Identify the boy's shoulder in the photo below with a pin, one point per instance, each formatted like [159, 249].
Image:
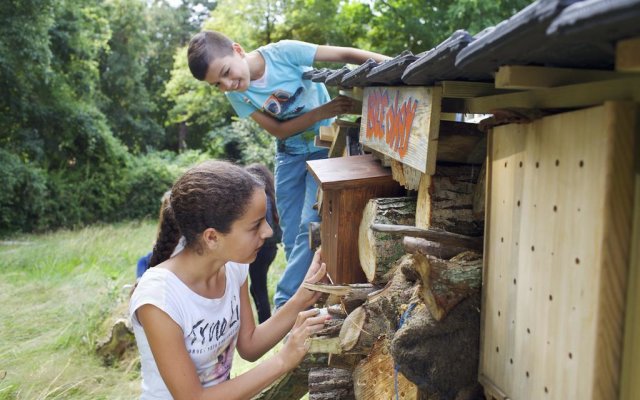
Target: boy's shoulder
[285, 48]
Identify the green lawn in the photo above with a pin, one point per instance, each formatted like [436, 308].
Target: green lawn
[56, 292]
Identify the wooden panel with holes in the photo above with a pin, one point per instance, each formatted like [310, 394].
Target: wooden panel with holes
[557, 240]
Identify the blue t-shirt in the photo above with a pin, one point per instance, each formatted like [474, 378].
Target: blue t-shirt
[283, 94]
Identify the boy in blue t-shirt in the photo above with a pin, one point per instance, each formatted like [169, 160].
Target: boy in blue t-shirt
[266, 84]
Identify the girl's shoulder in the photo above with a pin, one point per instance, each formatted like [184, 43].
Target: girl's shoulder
[237, 272]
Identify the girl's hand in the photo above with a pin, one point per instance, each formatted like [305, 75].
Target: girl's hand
[317, 272]
[297, 343]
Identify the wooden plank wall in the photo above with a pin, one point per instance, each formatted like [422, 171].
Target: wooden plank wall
[559, 206]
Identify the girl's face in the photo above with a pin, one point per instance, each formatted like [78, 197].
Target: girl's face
[248, 232]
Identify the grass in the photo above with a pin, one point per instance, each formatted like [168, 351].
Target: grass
[57, 291]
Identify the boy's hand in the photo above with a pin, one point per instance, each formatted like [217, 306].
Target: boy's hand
[340, 105]
[297, 345]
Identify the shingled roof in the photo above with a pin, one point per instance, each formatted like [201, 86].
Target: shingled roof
[556, 33]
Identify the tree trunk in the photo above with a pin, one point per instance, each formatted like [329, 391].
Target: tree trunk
[330, 384]
[443, 251]
[379, 315]
[441, 357]
[379, 250]
[445, 283]
[451, 199]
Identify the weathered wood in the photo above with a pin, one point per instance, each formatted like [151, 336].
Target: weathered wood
[406, 176]
[445, 283]
[294, 384]
[446, 238]
[446, 200]
[378, 316]
[534, 77]
[460, 142]
[479, 194]
[415, 245]
[440, 357]
[339, 143]
[328, 132]
[330, 384]
[314, 235]
[375, 377]
[403, 122]
[628, 55]
[379, 250]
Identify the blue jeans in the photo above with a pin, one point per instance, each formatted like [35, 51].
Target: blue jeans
[295, 195]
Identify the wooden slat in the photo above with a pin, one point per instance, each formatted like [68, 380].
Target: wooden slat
[630, 386]
[557, 244]
[402, 122]
[466, 90]
[628, 55]
[533, 77]
[572, 96]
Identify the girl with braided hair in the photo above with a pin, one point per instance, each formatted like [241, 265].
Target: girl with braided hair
[190, 312]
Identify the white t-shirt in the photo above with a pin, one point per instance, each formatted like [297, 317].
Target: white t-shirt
[210, 326]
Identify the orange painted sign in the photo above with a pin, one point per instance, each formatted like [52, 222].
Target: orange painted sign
[402, 122]
[390, 120]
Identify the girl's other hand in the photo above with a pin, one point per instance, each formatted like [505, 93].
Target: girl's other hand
[297, 344]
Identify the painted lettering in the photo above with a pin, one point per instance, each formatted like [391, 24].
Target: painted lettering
[390, 121]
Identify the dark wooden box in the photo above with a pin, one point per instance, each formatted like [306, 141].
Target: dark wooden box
[347, 184]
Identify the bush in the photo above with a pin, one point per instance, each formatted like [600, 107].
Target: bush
[23, 194]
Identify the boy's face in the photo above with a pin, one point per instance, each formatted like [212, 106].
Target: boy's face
[230, 73]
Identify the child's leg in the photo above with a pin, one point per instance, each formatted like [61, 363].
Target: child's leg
[258, 273]
[301, 255]
[289, 183]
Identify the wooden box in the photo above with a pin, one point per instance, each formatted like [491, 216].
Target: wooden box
[347, 184]
[557, 241]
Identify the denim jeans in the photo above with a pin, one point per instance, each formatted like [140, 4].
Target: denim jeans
[295, 195]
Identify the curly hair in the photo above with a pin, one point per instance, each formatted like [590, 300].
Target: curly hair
[213, 194]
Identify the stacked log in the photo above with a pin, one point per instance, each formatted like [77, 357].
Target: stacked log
[418, 333]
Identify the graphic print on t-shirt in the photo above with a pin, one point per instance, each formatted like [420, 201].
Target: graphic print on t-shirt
[281, 104]
[221, 368]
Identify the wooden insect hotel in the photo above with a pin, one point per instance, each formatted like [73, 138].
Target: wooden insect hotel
[482, 224]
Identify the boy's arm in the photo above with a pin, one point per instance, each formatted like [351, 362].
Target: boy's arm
[284, 129]
[347, 55]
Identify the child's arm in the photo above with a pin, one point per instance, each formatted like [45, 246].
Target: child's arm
[347, 55]
[284, 129]
[179, 373]
[254, 341]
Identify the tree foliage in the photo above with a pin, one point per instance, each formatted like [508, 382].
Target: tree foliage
[97, 98]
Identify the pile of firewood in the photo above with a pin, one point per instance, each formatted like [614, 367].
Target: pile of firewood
[412, 331]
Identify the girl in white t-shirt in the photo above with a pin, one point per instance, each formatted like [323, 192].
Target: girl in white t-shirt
[191, 311]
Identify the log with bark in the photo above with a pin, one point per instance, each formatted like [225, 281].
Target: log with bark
[379, 250]
[330, 384]
[446, 200]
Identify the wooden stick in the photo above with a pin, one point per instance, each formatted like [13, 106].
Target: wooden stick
[454, 239]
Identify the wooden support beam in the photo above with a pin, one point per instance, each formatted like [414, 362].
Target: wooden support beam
[572, 96]
[454, 239]
[465, 90]
[533, 77]
[628, 55]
